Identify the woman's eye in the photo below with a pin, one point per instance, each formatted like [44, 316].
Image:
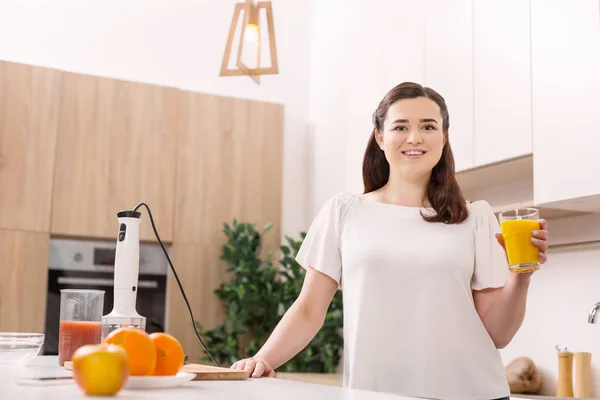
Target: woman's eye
[400, 128]
[429, 127]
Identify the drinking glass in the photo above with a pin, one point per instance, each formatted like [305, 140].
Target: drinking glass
[517, 228]
[80, 320]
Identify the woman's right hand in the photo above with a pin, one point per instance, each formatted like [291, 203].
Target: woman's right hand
[300, 323]
[256, 368]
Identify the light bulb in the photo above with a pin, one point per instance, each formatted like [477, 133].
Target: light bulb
[251, 33]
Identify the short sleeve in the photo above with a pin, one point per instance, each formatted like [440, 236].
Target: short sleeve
[491, 266]
[321, 246]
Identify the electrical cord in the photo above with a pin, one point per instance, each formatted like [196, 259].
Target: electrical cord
[177, 279]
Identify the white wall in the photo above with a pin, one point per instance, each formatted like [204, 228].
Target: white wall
[176, 43]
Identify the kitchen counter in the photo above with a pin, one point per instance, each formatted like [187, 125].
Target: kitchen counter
[263, 388]
[540, 397]
[251, 389]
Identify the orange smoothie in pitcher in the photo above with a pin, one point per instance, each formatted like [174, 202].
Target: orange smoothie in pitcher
[73, 335]
[517, 234]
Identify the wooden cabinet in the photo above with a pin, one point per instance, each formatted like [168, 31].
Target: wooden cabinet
[29, 99]
[200, 272]
[449, 71]
[565, 46]
[23, 283]
[117, 146]
[229, 166]
[502, 81]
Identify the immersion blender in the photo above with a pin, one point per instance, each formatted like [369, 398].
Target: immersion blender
[127, 265]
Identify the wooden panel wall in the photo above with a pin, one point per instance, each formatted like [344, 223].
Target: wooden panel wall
[117, 146]
[23, 272]
[229, 166]
[29, 99]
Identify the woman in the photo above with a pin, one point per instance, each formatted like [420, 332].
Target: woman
[428, 297]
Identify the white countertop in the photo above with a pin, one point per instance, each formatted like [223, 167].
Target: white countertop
[262, 388]
[251, 389]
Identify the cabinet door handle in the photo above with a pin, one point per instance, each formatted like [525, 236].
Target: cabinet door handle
[71, 280]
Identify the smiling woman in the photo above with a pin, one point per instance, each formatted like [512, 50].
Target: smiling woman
[410, 140]
[428, 296]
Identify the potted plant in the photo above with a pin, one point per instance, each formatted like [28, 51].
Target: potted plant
[258, 294]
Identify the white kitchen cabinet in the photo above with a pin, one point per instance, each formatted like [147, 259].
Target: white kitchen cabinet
[449, 71]
[402, 42]
[502, 80]
[565, 41]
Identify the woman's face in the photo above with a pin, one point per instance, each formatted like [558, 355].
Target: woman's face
[412, 136]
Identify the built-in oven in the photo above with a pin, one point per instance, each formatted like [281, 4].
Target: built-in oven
[86, 264]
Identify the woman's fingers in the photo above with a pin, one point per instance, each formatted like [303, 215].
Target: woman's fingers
[540, 244]
[255, 369]
[239, 365]
[541, 234]
[259, 370]
[249, 367]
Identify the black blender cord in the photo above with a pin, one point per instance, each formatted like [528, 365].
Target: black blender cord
[177, 279]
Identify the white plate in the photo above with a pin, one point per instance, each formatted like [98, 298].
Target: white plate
[159, 382]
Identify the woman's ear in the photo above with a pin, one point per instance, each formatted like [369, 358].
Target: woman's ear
[378, 138]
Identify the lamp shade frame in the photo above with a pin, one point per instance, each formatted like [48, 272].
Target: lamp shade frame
[251, 13]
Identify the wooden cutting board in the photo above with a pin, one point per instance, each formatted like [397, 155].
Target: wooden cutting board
[203, 372]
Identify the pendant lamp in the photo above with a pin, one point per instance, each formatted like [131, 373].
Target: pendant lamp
[250, 41]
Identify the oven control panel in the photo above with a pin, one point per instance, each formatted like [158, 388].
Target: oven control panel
[92, 255]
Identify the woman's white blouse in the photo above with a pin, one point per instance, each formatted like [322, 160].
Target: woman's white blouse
[410, 325]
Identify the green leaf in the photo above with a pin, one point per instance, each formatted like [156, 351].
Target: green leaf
[233, 310]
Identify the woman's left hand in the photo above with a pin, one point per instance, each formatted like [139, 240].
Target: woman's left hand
[539, 240]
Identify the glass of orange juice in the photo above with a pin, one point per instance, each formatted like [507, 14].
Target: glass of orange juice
[517, 228]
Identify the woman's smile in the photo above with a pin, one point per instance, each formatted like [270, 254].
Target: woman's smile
[413, 154]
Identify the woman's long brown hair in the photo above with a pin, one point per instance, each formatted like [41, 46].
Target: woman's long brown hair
[443, 191]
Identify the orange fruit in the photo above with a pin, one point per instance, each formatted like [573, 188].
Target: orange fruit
[100, 370]
[139, 347]
[169, 354]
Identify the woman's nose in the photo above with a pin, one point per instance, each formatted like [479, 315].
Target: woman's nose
[414, 137]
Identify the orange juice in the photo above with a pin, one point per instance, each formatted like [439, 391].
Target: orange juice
[517, 234]
[73, 335]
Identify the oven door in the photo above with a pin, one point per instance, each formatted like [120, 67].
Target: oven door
[150, 301]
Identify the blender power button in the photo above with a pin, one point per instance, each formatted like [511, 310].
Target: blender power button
[122, 229]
